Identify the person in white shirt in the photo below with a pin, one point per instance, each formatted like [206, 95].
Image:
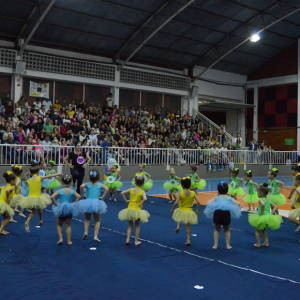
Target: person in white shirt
[37, 103]
[92, 136]
[43, 112]
[167, 119]
[46, 143]
[110, 100]
[183, 133]
[151, 124]
[145, 111]
[47, 104]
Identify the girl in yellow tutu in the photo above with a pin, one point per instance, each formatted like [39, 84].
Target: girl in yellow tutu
[148, 183]
[275, 188]
[173, 185]
[185, 214]
[5, 197]
[295, 213]
[36, 200]
[295, 172]
[134, 212]
[235, 189]
[113, 181]
[251, 198]
[197, 183]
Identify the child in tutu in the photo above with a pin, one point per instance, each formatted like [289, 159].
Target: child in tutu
[275, 195]
[36, 200]
[113, 181]
[235, 183]
[148, 183]
[173, 185]
[197, 183]
[185, 214]
[295, 213]
[134, 212]
[5, 197]
[263, 218]
[93, 203]
[222, 208]
[295, 172]
[251, 197]
[53, 182]
[64, 209]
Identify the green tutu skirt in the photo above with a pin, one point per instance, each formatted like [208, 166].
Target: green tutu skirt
[251, 198]
[54, 184]
[172, 188]
[6, 210]
[133, 215]
[186, 217]
[263, 222]
[113, 186]
[277, 199]
[146, 186]
[236, 192]
[16, 200]
[40, 202]
[199, 185]
[294, 214]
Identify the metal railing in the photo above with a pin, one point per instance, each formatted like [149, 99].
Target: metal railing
[24, 154]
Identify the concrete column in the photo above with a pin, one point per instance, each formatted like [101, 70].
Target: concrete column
[241, 124]
[255, 113]
[17, 87]
[298, 107]
[115, 90]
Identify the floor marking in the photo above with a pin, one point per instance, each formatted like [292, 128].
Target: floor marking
[236, 229]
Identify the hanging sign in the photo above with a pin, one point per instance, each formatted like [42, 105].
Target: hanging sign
[39, 89]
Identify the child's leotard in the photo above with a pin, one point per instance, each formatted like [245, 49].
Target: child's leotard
[5, 209]
[53, 182]
[65, 209]
[234, 190]
[295, 213]
[273, 195]
[114, 185]
[251, 196]
[197, 184]
[173, 187]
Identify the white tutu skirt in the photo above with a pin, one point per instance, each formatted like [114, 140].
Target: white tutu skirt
[6, 210]
[186, 217]
[234, 209]
[90, 206]
[295, 213]
[134, 215]
[16, 200]
[65, 210]
[39, 202]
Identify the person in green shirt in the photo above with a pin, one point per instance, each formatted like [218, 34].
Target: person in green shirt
[48, 127]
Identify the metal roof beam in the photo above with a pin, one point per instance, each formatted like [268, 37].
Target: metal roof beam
[155, 31]
[244, 41]
[40, 20]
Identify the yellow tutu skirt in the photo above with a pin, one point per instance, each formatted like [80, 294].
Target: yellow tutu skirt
[295, 213]
[40, 202]
[6, 210]
[16, 200]
[186, 217]
[134, 215]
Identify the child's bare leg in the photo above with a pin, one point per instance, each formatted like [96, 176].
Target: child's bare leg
[171, 198]
[40, 216]
[253, 205]
[249, 207]
[137, 233]
[178, 228]
[115, 195]
[59, 230]
[4, 223]
[188, 234]
[11, 220]
[29, 220]
[68, 230]
[129, 230]
[295, 221]
[16, 209]
[86, 225]
[266, 240]
[227, 236]
[110, 191]
[257, 236]
[216, 236]
[97, 219]
[21, 214]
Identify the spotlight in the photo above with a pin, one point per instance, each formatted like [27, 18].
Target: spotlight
[254, 38]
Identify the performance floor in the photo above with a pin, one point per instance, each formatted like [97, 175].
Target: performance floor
[32, 266]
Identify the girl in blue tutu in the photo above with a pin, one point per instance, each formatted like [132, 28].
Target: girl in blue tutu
[64, 210]
[197, 183]
[93, 203]
[251, 198]
[235, 189]
[275, 188]
[148, 183]
[53, 182]
[113, 181]
[264, 218]
[173, 185]
[222, 208]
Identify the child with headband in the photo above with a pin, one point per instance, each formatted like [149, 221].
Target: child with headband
[295, 173]
[173, 185]
[222, 208]
[295, 213]
[53, 182]
[134, 212]
[113, 181]
[251, 198]
[185, 214]
[275, 188]
[263, 218]
[64, 210]
[148, 183]
[234, 188]
[197, 183]
[93, 203]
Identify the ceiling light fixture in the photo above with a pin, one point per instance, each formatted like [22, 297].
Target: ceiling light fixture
[254, 38]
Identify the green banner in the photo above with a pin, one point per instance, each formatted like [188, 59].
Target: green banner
[289, 142]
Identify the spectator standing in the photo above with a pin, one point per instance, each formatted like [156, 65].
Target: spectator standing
[47, 104]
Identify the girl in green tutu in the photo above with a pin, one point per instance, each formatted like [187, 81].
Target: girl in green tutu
[295, 213]
[113, 181]
[235, 189]
[148, 183]
[251, 198]
[263, 218]
[173, 185]
[197, 183]
[275, 195]
[53, 182]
